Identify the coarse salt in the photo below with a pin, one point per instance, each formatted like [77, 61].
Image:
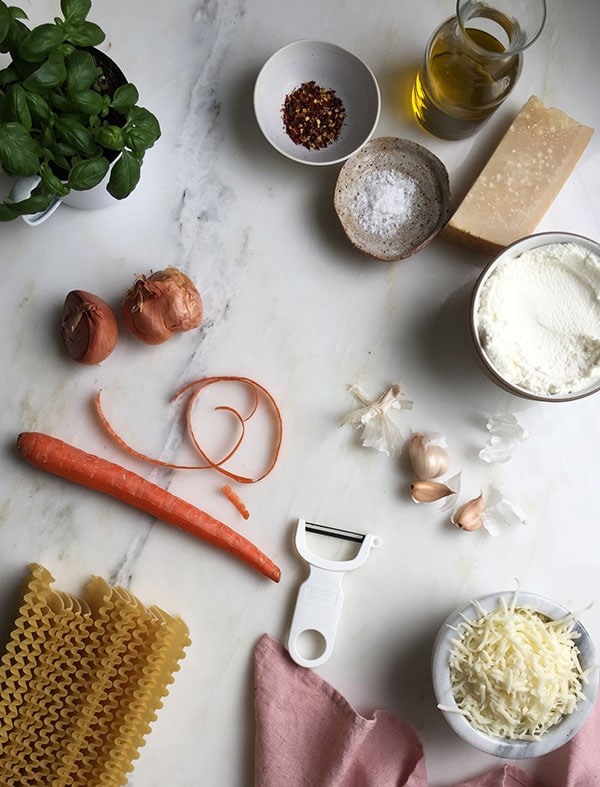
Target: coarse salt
[385, 202]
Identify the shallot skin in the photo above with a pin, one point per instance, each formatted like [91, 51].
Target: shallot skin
[164, 303]
[89, 328]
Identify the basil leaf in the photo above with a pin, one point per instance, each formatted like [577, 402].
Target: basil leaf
[38, 106]
[38, 44]
[33, 204]
[58, 102]
[75, 10]
[52, 183]
[124, 176]
[84, 34]
[81, 71]
[16, 33]
[76, 134]
[87, 174]
[87, 101]
[47, 138]
[8, 74]
[6, 214]
[49, 74]
[63, 149]
[111, 137]
[125, 98]
[16, 107]
[142, 129]
[16, 13]
[4, 21]
[18, 151]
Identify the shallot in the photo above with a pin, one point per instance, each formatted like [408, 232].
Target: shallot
[89, 327]
[159, 305]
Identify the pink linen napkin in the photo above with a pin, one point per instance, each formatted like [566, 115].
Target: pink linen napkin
[307, 734]
[508, 776]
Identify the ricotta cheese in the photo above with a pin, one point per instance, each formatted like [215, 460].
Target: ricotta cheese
[514, 673]
[539, 319]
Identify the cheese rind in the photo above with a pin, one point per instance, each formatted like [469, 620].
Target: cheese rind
[521, 179]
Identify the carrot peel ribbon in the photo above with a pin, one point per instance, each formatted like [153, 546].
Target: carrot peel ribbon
[194, 389]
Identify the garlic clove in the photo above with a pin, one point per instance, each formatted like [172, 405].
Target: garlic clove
[429, 491]
[89, 328]
[468, 516]
[428, 456]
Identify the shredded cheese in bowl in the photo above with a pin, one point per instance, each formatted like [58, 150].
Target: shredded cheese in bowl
[510, 669]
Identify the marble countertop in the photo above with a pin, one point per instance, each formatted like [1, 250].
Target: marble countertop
[289, 303]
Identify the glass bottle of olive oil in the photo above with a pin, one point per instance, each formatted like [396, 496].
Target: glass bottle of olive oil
[468, 70]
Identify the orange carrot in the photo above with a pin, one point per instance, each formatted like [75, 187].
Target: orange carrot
[234, 498]
[64, 460]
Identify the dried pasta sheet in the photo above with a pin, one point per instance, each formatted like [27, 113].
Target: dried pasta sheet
[81, 681]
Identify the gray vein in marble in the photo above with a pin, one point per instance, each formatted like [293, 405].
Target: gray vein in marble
[206, 201]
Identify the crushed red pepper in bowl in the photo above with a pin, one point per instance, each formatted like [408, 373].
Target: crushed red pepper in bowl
[313, 116]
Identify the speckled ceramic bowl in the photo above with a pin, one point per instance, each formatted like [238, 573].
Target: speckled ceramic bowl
[525, 244]
[332, 68]
[511, 749]
[392, 198]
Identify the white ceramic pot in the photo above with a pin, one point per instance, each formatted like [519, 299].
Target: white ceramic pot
[95, 198]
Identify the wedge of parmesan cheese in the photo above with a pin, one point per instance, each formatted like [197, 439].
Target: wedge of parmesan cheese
[514, 673]
[521, 179]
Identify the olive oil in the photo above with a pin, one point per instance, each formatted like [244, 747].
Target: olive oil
[466, 75]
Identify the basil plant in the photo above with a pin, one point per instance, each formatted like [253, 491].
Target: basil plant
[63, 116]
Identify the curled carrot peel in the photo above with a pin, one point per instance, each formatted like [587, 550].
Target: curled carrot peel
[64, 460]
[194, 390]
[234, 498]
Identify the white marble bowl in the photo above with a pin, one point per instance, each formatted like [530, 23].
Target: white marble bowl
[511, 749]
[392, 198]
[525, 244]
[332, 68]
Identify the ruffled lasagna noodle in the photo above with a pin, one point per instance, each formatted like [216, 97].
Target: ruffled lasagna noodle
[80, 683]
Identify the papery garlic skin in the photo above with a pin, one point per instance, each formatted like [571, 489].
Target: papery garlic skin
[160, 305]
[428, 456]
[506, 433]
[468, 516]
[373, 417]
[429, 491]
[89, 328]
[502, 511]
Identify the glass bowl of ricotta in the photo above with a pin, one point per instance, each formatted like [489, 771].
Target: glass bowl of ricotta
[515, 674]
[535, 317]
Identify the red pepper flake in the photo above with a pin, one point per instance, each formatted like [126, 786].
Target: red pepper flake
[313, 116]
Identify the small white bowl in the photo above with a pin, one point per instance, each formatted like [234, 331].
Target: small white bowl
[525, 244]
[332, 68]
[511, 749]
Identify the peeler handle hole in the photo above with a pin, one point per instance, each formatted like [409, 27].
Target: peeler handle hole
[310, 644]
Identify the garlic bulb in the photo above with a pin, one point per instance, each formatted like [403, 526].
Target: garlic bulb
[160, 305]
[468, 516]
[89, 327]
[428, 456]
[429, 491]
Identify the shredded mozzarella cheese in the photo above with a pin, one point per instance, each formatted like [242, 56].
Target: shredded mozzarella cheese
[514, 672]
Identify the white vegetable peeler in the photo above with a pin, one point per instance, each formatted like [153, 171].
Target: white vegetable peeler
[320, 597]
